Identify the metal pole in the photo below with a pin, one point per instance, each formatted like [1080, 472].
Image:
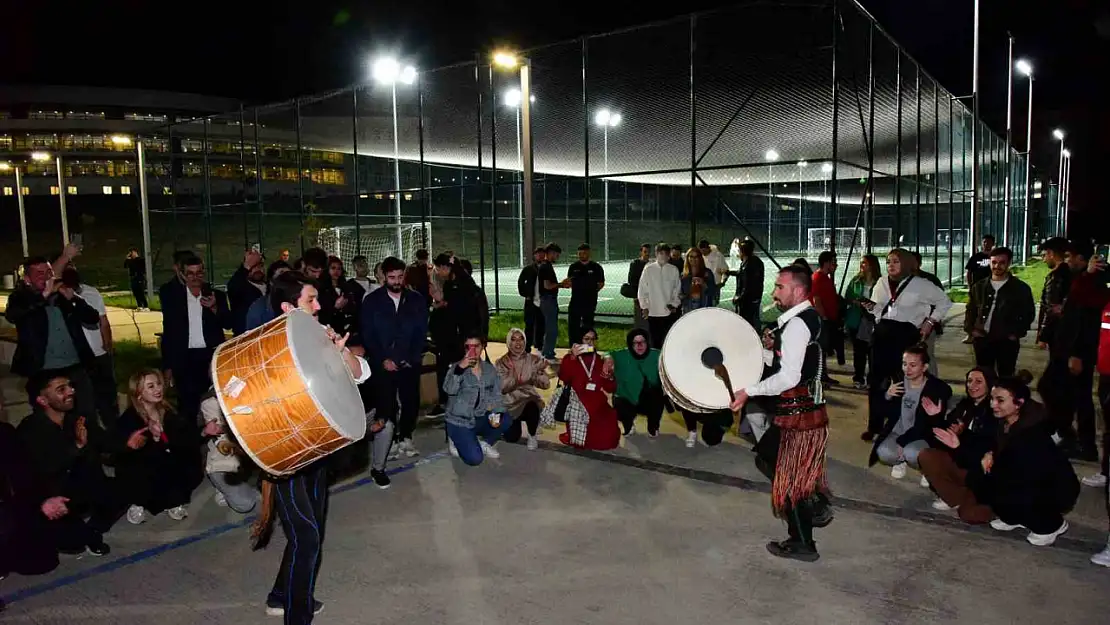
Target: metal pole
[974, 129]
[605, 182]
[493, 189]
[917, 167]
[425, 200]
[951, 177]
[936, 176]
[462, 192]
[1067, 192]
[258, 184]
[1060, 191]
[354, 167]
[1009, 144]
[22, 210]
[898, 164]
[586, 132]
[1028, 183]
[520, 196]
[694, 136]
[144, 210]
[62, 201]
[396, 176]
[835, 127]
[210, 267]
[300, 178]
[243, 177]
[870, 223]
[527, 162]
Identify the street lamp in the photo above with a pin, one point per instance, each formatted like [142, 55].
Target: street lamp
[388, 71]
[5, 167]
[512, 99]
[1059, 135]
[770, 156]
[510, 61]
[606, 119]
[1026, 69]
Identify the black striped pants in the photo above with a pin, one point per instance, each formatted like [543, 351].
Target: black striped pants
[302, 507]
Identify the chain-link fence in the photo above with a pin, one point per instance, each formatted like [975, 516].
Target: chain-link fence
[801, 125]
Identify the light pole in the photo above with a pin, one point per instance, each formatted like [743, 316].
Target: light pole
[801, 203]
[1009, 142]
[770, 156]
[606, 119]
[508, 60]
[512, 100]
[826, 169]
[1058, 134]
[972, 232]
[19, 203]
[1066, 188]
[1026, 69]
[387, 71]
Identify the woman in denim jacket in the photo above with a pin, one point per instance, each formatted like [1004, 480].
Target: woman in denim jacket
[476, 417]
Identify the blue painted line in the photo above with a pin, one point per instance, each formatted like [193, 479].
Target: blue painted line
[119, 563]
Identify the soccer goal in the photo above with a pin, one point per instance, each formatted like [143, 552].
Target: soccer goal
[958, 237]
[821, 239]
[376, 241]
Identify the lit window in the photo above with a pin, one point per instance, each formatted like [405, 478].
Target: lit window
[8, 191]
[71, 190]
[26, 190]
[408, 196]
[167, 191]
[106, 190]
[125, 190]
[377, 196]
[53, 190]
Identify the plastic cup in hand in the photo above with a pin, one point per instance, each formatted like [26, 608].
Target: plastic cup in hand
[495, 420]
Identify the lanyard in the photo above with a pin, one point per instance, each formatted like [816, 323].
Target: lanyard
[590, 370]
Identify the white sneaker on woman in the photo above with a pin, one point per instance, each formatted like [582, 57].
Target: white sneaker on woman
[533, 443]
[1044, 540]
[1097, 480]
[1102, 558]
[488, 450]
[691, 440]
[221, 500]
[408, 448]
[898, 471]
[177, 514]
[1003, 526]
[451, 449]
[924, 482]
[136, 515]
[942, 505]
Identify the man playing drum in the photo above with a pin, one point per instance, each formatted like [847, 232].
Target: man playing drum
[301, 498]
[792, 376]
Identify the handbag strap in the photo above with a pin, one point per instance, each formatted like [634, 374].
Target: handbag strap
[894, 296]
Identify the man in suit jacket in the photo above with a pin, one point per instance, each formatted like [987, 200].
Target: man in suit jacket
[194, 317]
[247, 284]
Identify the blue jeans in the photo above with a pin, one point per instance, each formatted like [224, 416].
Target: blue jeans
[549, 306]
[466, 439]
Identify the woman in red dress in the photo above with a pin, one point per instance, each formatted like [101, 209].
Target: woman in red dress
[591, 377]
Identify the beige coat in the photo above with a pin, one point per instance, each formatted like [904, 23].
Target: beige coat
[521, 379]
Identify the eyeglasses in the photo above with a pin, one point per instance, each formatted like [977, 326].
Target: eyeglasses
[589, 337]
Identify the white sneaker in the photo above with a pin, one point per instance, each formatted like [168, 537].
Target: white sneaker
[394, 451]
[136, 515]
[1044, 540]
[939, 504]
[177, 514]
[898, 471]
[1056, 439]
[1097, 480]
[691, 440]
[1102, 558]
[451, 449]
[221, 500]
[1003, 526]
[488, 450]
[409, 449]
[533, 443]
[631, 430]
[924, 482]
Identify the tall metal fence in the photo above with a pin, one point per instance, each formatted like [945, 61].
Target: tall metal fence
[801, 125]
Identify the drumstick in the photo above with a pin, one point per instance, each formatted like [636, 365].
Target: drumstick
[714, 359]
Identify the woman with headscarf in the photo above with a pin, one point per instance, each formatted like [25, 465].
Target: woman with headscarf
[639, 390]
[590, 376]
[522, 374]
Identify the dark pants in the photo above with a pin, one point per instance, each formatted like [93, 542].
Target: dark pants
[750, 312]
[800, 516]
[549, 306]
[159, 481]
[832, 341]
[1066, 395]
[658, 327]
[1104, 403]
[998, 353]
[302, 503]
[91, 495]
[579, 319]
[650, 404]
[530, 417]
[391, 386]
[103, 375]
[193, 378]
[861, 351]
[138, 289]
[889, 340]
[713, 425]
[533, 326]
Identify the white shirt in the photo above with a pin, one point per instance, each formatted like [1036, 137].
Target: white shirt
[659, 287]
[365, 369]
[536, 293]
[196, 326]
[261, 286]
[913, 304]
[93, 298]
[795, 339]
[994, 303]
[717, 263]
[396, 297]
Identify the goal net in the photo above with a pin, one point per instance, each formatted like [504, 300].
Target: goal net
[821, 239]
[958, 237]
[376, 242]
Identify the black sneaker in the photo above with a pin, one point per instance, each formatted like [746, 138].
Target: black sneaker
[276, 607]
[794, 550]
[436, 411]
[98, 549]
[381, 479]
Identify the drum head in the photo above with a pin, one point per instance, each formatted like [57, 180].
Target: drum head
[693, 384]
[325, 374]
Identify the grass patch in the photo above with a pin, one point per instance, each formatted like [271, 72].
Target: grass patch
[610, 336]
[130, 356]
[128, 301]
[1033, 274]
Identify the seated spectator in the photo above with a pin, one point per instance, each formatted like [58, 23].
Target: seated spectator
[161, 473]
[476, 417]
[1026, 481]
[972, 422]
[24, 547]
[639, 390]
[65, 450]
[914, 406]
[590, 376]
[224, 465]
[522, 374]
[713, 427]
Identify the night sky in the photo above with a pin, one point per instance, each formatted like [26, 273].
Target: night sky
[267, 51]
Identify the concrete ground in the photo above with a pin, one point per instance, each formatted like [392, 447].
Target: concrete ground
[649, 533]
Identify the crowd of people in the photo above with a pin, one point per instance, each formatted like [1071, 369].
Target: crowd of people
[996, 455]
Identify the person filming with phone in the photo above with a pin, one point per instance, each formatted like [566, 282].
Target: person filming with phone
[476, 416]
[590, 376]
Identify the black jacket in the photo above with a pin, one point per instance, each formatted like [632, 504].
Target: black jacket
[980, 430]
[1056, 286]
[1029, 469]
[182, 438]
[922, 430]
[175, 322]
[25, 544]
[635, 270]
[240, 295]
[749, 281]
[53, 451]
[27, 312]
[1013, 312]
[526, 282]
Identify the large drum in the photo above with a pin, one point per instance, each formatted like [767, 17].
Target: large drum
[692, 384]
[287, 393]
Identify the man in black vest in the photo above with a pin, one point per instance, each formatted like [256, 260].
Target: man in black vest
[793, 371]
